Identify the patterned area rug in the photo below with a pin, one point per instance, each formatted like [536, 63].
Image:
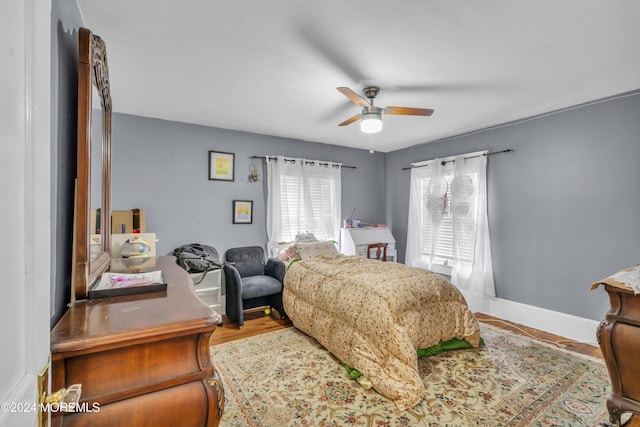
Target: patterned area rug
[285, 378]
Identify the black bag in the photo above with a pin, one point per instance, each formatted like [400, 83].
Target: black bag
[197, 258]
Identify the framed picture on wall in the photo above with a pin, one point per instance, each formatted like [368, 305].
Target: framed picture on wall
[242, 211]
[221, 166]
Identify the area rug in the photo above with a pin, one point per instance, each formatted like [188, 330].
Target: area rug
[285, 378]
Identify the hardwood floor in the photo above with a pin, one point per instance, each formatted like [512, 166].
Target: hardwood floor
[257, 322]
[578, 347]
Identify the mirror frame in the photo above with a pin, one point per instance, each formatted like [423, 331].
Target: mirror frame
[92, 68]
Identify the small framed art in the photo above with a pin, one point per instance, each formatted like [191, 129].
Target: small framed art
[221, 166]
[242, 211]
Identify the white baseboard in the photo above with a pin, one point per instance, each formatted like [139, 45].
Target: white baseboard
[566, 325]
[24, 394]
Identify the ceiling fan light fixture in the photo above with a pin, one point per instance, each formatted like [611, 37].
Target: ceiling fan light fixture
[371, 122]
[371, 117]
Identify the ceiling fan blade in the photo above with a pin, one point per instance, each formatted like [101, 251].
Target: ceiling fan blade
[405, 111]
[354, 97]
[350, 120]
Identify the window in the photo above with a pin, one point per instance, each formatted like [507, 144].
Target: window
[308, 205]
[448, 229]
[437, 231]
[303, 196]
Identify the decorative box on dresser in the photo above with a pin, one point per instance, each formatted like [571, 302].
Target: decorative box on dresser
[619, 339]
[143, 359]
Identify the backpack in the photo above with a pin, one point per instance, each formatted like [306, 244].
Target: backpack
[197, 258]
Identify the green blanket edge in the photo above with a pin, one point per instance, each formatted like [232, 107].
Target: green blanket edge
[441, 347]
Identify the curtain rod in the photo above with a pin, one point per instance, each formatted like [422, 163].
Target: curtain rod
[308, 161]
[444, 162]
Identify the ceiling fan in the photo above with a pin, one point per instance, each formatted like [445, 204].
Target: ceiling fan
[371, 116]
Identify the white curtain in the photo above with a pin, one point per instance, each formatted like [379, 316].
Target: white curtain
[303, 195]
[448, 228]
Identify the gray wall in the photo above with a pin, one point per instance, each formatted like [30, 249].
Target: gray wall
[162, 167]
[65, 21]
[564, 208]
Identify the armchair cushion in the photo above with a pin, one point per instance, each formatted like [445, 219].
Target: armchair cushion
[259, 286]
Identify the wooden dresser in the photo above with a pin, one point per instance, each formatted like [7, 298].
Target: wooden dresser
[143, 359]
[619, 339]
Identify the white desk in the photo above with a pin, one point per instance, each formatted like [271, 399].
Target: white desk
[354, 241]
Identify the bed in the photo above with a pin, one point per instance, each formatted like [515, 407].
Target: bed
[374, 316]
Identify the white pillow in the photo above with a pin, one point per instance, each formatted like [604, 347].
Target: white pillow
[304, 237]
[313, 249]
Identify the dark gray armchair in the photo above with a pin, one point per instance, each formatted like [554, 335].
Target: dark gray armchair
[251, 283]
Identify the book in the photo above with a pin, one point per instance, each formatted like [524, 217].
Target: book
[115, 284]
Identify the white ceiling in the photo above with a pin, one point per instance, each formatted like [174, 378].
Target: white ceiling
[272, 67]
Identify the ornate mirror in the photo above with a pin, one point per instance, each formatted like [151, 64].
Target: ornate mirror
[92, 224]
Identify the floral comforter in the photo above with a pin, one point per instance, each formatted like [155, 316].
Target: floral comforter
[374, 315]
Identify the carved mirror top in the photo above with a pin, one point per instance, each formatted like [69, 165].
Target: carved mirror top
[101, 71]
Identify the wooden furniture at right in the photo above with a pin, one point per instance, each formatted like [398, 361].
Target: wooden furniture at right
[377, 251]
[619, 339]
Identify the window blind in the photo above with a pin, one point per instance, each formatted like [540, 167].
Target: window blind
[436, 207]
[307, 207]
